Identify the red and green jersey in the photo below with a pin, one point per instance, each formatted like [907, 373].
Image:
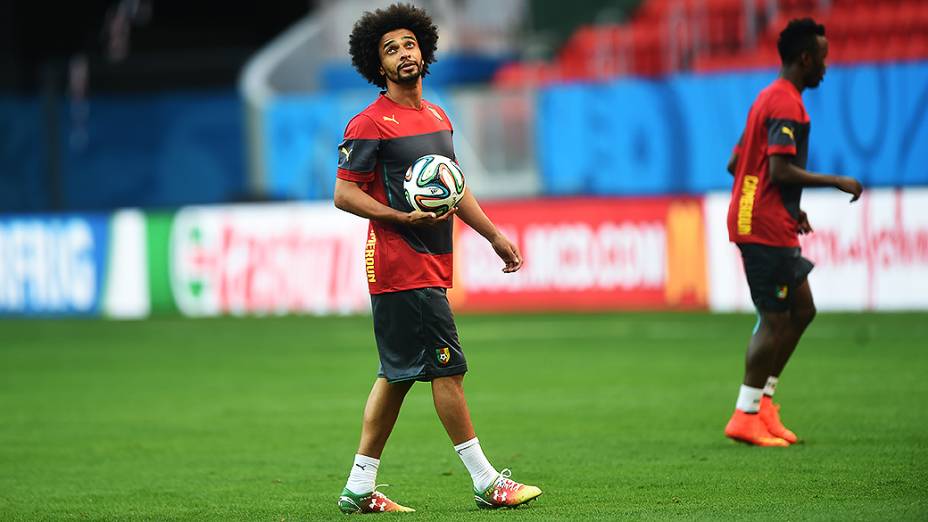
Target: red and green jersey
[760, 211]
[380, 143]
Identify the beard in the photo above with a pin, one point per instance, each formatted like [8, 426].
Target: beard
[815, 79]
[405, 78]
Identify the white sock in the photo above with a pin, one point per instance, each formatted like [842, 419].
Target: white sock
[363, 475]
[771, 386]
[749, 399]
[481, 472]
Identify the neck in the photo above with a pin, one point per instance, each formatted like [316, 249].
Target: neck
[793, 76]
[407, 95]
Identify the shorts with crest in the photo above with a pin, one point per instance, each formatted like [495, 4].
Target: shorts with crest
[416, 336]
[773, 274]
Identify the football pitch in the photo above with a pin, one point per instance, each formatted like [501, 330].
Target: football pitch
[614, 416]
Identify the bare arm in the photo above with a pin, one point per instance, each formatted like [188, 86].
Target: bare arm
[470, 212]
[350, 198]
[782, 172]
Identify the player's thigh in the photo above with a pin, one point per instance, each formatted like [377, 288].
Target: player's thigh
[767, 278]
[440, 334]
[398, 331]
[802, 306]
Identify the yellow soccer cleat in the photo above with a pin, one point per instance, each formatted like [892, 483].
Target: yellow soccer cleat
[505, 493]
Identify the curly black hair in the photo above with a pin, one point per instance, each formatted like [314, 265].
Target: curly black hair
[799, 36]
[364, 42]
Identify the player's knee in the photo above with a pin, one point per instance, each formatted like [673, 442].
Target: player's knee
[449, 382]
[803, 316]
[774, 322]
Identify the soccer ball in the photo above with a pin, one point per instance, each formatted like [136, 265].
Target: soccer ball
[434, 183]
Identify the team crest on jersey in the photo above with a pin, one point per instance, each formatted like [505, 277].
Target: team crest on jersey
[435, 113]
[782, 291]
[443, 355]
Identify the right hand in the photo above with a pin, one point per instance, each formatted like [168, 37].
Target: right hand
[849, 185]
[508, 252]
[419, 218]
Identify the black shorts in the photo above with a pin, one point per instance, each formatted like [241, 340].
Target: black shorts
[773, 274]
[416, 336]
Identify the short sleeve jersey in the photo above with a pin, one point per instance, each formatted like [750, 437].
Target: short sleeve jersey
[379, 145]
[760, 211]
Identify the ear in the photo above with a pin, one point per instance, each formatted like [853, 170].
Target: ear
[805, 58]
[382, 71]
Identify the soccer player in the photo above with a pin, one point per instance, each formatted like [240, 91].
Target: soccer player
[408, 256]
[764, 220]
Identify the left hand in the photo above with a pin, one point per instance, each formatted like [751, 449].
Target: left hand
[508, 252]
[420, 218]
[802, 224]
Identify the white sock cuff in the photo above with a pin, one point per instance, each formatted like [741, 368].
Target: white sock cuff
[466, 444]
[481, 471]
[749, 399]
[364, 460]
[363, 476]
[771, 386]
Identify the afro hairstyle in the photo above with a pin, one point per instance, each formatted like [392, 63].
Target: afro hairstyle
[364, 42]
[800, 35]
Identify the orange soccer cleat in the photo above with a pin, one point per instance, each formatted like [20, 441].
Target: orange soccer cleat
[748, 428]
[770, 416]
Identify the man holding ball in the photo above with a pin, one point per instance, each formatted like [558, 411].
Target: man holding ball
[408, 256]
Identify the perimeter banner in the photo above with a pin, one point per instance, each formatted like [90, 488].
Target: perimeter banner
[267, 259]
[53, 264]
[587, 254]
[868, 255]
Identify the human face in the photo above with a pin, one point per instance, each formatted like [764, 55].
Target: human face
[400, 57]
[815, 70]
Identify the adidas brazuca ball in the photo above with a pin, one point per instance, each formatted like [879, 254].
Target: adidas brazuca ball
[434, 183]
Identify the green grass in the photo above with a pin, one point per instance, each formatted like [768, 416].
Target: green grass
[614, 416]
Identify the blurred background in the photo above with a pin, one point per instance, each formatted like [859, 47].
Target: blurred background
[160, 157]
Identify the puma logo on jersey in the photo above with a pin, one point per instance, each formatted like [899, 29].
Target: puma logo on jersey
[789, 132]
[347, 152]
[391, 118]
[433, 111]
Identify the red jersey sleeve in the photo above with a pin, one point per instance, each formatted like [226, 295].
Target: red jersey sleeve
[783, 123]
[357, 153]
[738, 145]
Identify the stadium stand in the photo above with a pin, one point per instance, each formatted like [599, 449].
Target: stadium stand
[668, 36]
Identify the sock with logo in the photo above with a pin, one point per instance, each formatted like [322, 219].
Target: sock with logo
[363, 474]
[749, 399]
[771, 386]
[481, 472]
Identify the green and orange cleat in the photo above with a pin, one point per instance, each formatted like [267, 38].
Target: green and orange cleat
[770, 416]
[748, 428]
[505, 493]
[368, 503]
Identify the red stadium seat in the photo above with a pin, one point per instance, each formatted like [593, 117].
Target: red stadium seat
[709, 35]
